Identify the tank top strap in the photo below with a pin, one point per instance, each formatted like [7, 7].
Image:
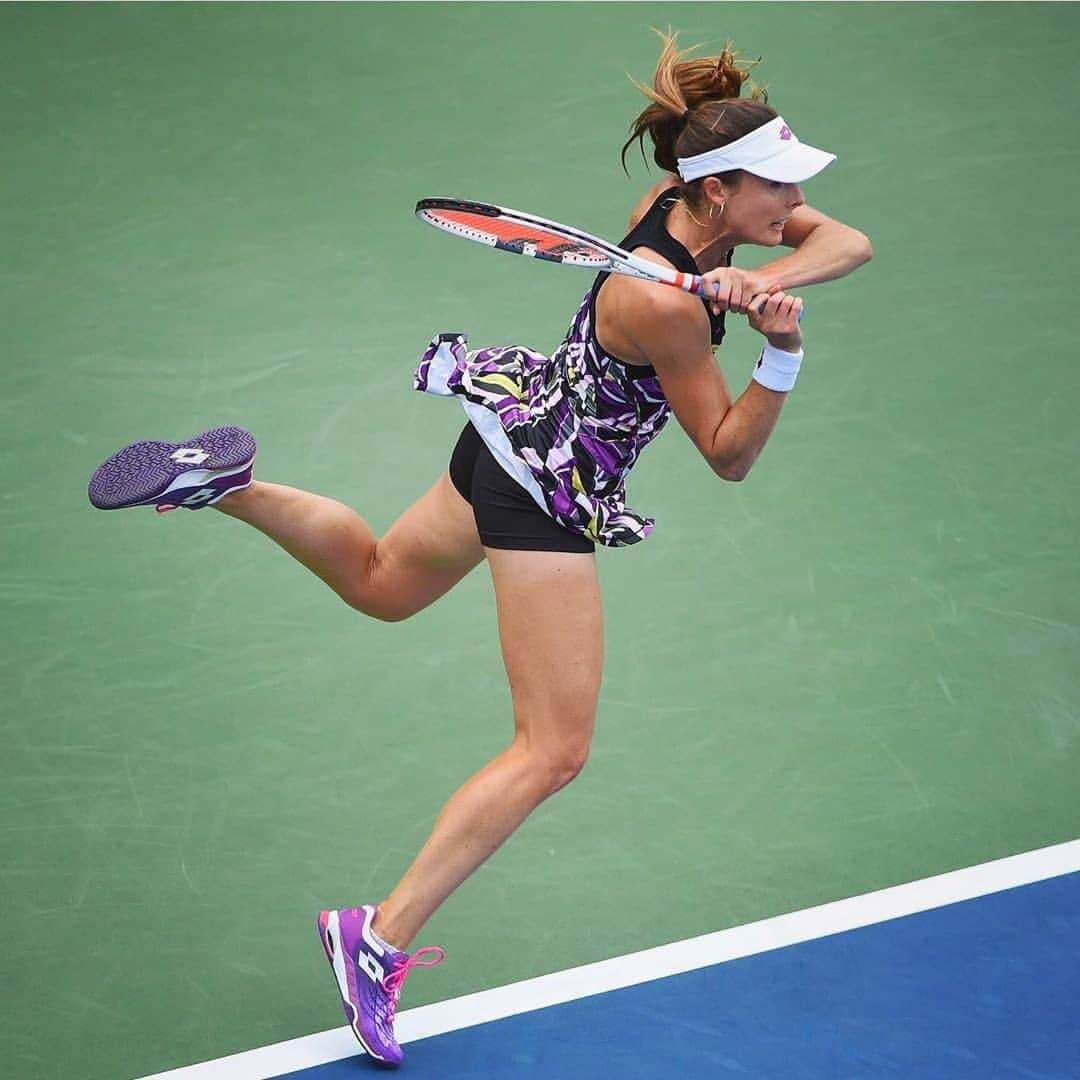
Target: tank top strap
[651, 232]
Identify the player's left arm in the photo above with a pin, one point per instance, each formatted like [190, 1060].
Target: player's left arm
[824, 249]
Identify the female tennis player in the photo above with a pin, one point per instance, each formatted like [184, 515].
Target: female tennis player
[537, 477]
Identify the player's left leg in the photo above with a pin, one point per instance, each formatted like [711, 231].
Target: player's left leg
[551, 630]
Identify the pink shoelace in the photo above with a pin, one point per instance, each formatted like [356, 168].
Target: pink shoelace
[393, 982]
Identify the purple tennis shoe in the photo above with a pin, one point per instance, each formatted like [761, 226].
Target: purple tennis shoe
[369, 976]
[166, 475]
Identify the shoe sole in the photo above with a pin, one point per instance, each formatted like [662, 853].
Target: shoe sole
[143, 472]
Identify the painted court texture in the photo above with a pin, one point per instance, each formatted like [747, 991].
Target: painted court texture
[859, 669]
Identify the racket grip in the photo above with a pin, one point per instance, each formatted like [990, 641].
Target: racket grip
[802, 310]
[698, 286]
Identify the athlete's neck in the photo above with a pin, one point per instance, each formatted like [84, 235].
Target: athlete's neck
[704, 238]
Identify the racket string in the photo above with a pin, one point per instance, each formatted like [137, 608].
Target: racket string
[516, 236]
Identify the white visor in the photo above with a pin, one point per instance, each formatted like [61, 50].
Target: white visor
[771, 151]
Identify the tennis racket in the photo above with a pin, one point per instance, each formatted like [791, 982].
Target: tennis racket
[538, 238]
[525, 234]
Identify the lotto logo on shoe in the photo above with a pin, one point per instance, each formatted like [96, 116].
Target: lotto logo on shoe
[200, 496]
[370, 966]
[366, 957]
[189, 455]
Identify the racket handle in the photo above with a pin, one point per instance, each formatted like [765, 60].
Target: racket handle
[697, 286]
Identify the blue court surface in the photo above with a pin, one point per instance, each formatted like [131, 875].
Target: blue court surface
[989, 987]
[974, 973]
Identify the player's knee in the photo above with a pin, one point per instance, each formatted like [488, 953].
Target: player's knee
[564, 763]
[385, 609]
[572, 763]
[369, 594]
[389, 614]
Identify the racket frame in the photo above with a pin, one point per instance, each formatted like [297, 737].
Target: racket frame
[614, 259]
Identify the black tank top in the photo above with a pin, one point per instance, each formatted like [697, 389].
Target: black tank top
[651, 232]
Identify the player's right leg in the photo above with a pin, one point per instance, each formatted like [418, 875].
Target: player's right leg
[431, 547]
[427, 551]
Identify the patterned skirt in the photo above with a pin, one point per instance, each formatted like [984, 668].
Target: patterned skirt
[537, 415]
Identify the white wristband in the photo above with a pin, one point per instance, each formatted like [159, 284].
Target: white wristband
[776, 369]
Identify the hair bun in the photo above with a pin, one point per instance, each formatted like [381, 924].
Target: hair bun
[727, 75]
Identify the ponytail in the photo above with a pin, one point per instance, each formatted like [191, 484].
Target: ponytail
[682, 85]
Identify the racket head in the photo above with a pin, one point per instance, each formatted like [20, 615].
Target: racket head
[516, 232]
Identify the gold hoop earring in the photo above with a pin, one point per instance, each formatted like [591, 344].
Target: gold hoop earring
[710, 210]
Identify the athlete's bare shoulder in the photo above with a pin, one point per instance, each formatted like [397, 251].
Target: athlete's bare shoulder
[651, 196]
[634, 316]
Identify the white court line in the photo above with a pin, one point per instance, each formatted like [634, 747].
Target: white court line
[657, 963]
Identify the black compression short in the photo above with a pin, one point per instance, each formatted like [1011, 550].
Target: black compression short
[506, 515]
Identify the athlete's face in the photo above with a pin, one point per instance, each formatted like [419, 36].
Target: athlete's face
[756, 210]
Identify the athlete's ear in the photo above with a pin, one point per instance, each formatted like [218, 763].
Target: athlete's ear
[716, 191]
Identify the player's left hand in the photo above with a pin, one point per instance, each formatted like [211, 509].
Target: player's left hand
[727, 288]
[777, 316]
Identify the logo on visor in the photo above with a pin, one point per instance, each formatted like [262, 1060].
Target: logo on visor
[785, 132]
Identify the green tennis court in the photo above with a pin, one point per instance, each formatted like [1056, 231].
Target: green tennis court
[858, 669]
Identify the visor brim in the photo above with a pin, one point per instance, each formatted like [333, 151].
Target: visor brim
[794, 165]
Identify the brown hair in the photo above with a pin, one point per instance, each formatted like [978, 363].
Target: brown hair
[696, 106]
